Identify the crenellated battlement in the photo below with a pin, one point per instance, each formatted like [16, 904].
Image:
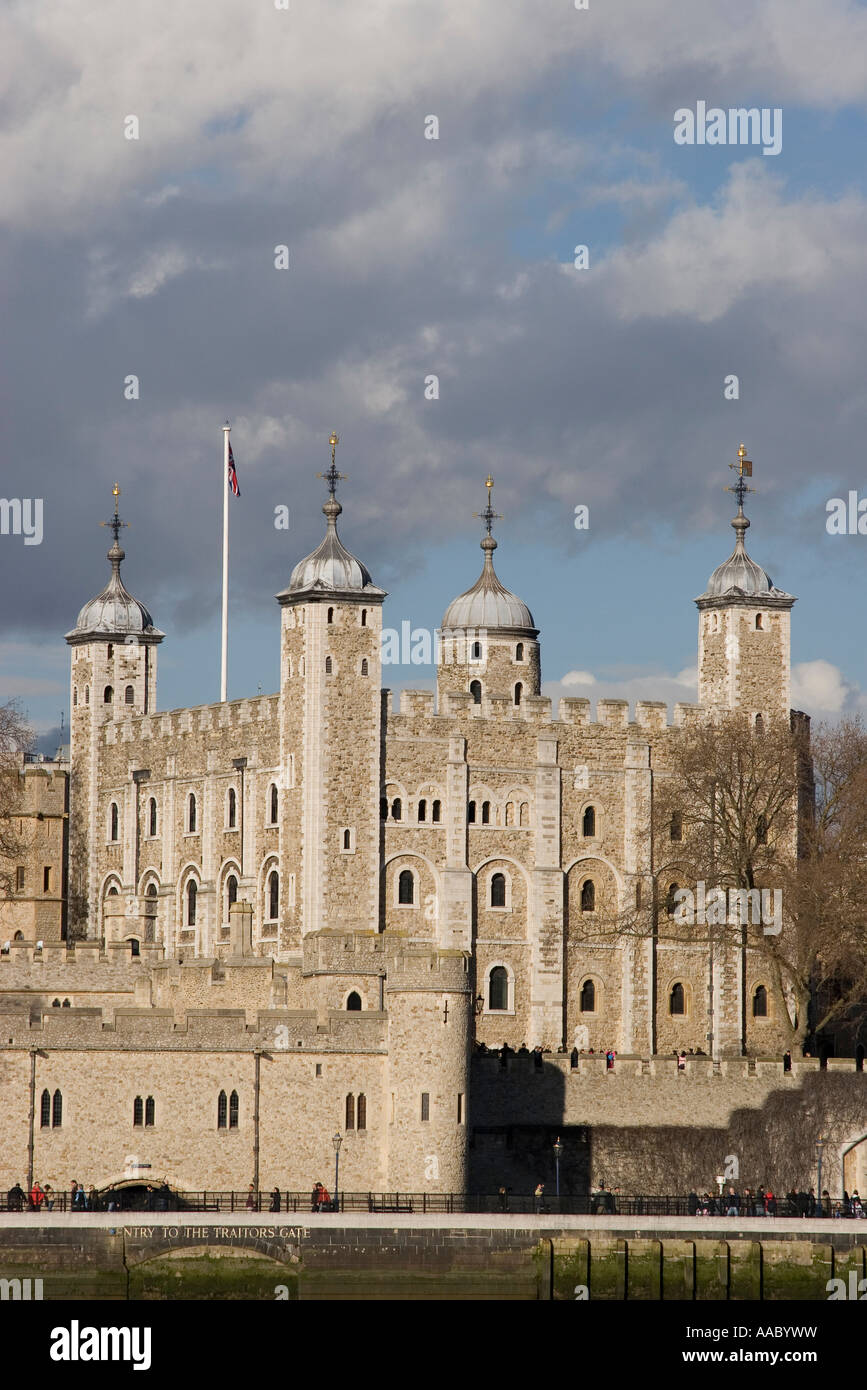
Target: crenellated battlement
[172, 724]
[538, 709]
[628, 1067]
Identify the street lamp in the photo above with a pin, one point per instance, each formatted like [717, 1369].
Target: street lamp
[820, 1145]
[337, 1141]
[558, 1150]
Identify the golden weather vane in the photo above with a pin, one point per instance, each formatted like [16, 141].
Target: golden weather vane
[745, 470]
[488, 516]
[332, 477]
[115, 522]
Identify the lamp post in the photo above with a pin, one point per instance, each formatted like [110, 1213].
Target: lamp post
[337, 1141]
[558, 1150]
[820, 1145]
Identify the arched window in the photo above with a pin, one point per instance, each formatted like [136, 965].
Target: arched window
[114, 822]
[331, 615]
[588, 998]
[191, 813]
[192, 890]
[233, 1110]
[66, 1003]
[760, 1002]
[272, 804]
[671, 898]
[510, 813]
[56, 1004]
[361, 1112]
[152, 816]
[436, 812]
[222, 1110]
[112, 893]
[110, 651]
[758, 622]
[134, 946]
[151, 890]
[760, 724]
[638, 897]
[364, 617]
[273, 895]
[75, 694]
[422, 810]
[519, 652]
[56, 1110]
[128, 695]
[471, 813]
[329, 666]
[676, 1000]
[138, 1111]
[383, 807]
[350, 1112]
[476, 652]
[231, 893]
[519, 690]
[675, 828]
[232, 809]
[524, 817]
[486, 813]
[347, 839]
[588, 895]
[588, 823]
[149, 1112]
[498, 890]
[353, 1002]
[406, 887]
[107, 695]
[396, 809]
[87, 694]
[364, 668]
[45, 1110]
[498, 988]
[476, 692]
[762, 831]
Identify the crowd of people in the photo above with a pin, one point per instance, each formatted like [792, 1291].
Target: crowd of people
[45, 1198]
[763, 1202]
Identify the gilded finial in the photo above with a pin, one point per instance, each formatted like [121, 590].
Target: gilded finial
[488, 516]
[745, 470]
[115, 522]
[332, 477]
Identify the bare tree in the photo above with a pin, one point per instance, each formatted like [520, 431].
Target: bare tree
[16, 738]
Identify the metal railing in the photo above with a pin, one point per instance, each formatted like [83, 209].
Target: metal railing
[164, 1199]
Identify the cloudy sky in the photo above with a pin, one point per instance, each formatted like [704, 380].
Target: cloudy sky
[260, 127]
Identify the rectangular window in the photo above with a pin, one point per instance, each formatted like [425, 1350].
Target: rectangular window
[425, 1105]
[291, 890]
[46, 879]
[318, 1068]
[460, 1108]
[291, 769]
[19, 879]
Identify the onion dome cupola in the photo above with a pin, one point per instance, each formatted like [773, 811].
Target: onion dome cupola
[330, 570]
[739, 580]
[489, 604]
[114, 613]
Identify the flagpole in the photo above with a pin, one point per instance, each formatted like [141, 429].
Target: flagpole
[224, 667]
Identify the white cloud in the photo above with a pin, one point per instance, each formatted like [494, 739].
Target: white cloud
[820, 686]
[578, 678]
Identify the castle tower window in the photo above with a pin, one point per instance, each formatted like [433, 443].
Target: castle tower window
[138, 1112]
[232, 809]
[471, 813]
[486, 813]
[272, 804]
[760, 1002]
[588, 998]
[436, 812]
[191, 814]
[422, 810]
[19, 879]
[519, 690]
[151, 890]
[56, 1110]
[56, 1004]
[498, 989]
[588, 824]
[231, 893]
[46, 879]
[671, 898]
[588, 896]
[519, 652]
[364, 666]
[476, 692]
[406, 888]
[525, 813]
[638, 897]
[331, 615]
[191, 903]
[676, 1000]
[45, 1110]
[350, 1112]
[353, 1002]
[762, 831]
[273, 895]
[110, 652]
[128, 695]
[510, 813]
[149, 1112]
[396, 809]
[329, 666]
[75, 694]
[383, 807]
[425, 1106]
[364, 617]
[759, 622]
[66, 1003]
[233, 1110]
[361, 1112]
[347, 839]
[107, 695]
[675, 829]
[87, 694]
[114, 822]
[222, 1110]
[152, 817]
[498, 890]
[476, 652]
[112, 892]
[760, 724]
[134, 947]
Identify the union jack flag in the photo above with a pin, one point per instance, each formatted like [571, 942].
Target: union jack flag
[233, 476]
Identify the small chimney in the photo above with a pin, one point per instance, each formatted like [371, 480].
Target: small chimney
[241, 929]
